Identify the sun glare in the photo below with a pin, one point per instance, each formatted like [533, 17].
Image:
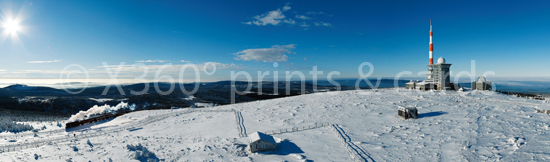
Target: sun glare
[11, 26]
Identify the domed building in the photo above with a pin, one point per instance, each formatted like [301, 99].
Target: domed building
[439, 76]
[482, 84]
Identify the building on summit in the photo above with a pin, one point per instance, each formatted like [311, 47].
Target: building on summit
[439, 77]
[261, 142]
[482, 84]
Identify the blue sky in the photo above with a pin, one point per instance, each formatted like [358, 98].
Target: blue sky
[509, 38]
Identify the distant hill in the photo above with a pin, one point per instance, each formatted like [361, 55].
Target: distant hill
[47, 99]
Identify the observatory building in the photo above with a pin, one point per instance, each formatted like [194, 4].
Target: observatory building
[481, 84]
[439, 77]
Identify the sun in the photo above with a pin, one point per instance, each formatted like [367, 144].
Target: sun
[11, 26]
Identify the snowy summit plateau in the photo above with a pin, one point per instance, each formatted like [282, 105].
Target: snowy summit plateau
[357, 125]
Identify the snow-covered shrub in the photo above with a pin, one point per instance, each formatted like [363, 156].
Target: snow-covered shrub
[6, 124]
[141, 153]
[28, 116]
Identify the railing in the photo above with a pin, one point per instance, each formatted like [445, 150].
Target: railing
[296, 129]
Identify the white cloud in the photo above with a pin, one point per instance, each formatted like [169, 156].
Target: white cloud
[184, 61]
[304, 24]
[277, 17]
[35, 72]
[41, 62]
[272, 17]
[303, 17]
[276, 53]
[320, 23]
[319, 13]
[174, 68]
[128, 72]
[208, 66]
[289, 21]
[286, 8]
[148, 61]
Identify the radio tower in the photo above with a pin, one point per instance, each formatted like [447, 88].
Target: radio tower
[431, 45]
[431, 53]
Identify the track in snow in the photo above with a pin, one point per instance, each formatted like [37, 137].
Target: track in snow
[240, 124]
[357, 152]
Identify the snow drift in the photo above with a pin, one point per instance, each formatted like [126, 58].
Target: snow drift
[98, 110]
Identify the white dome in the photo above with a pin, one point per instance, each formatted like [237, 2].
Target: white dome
[441, 60]
[481, 79]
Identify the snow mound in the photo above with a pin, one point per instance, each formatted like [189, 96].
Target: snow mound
[141, 153]
[97, 110]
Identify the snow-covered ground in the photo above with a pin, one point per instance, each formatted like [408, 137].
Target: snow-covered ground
[452, 126]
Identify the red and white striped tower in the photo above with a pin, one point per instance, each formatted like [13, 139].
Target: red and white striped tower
[430, 69]
[431, 45]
